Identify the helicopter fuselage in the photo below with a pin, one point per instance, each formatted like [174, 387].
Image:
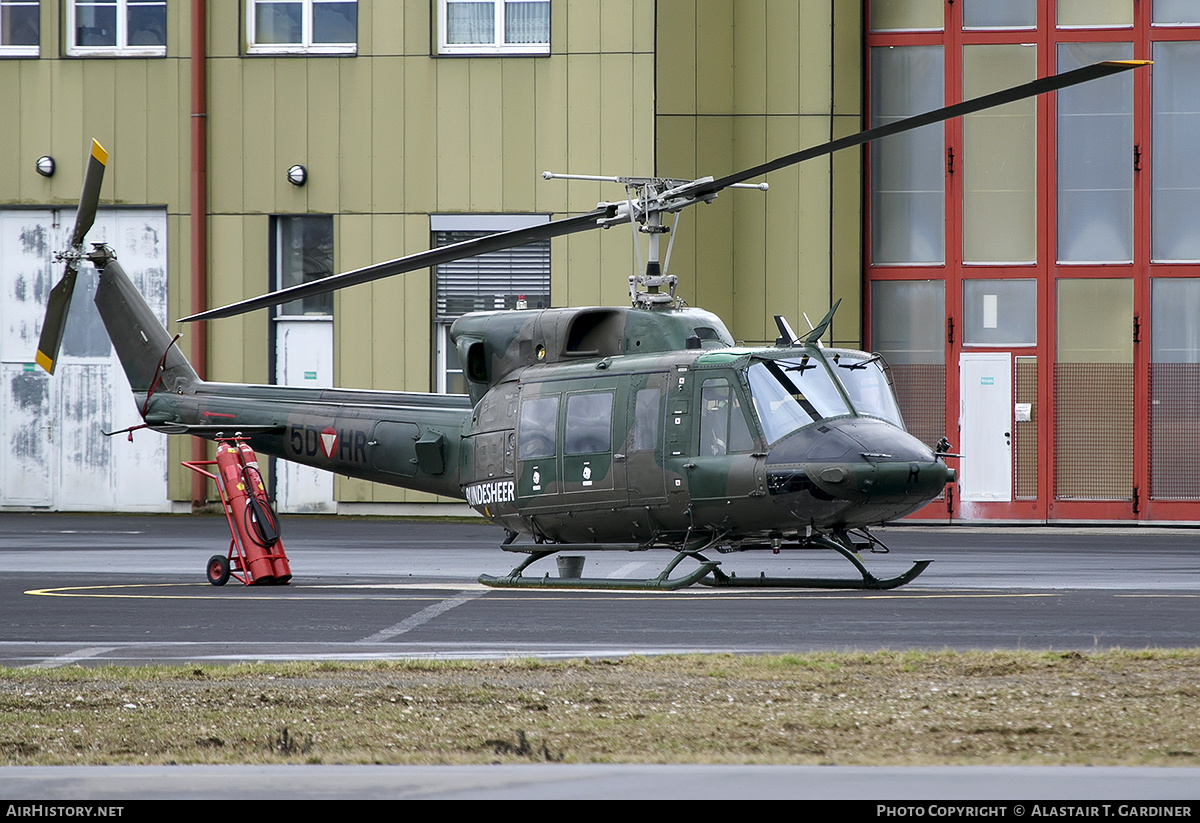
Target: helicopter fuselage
[645, 448]
[606, 425]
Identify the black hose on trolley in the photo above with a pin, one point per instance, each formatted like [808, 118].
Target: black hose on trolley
[258, 514]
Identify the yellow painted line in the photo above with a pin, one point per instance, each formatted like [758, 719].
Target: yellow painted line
[1186, 596]
[343, 592]
[65, 591]
[234, 593]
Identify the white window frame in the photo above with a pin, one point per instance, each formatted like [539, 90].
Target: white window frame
[7, 50]
[498, 46]
[306, 44]
[466, 222]
[122, 48]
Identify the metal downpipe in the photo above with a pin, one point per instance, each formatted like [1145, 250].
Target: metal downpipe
[199, 218]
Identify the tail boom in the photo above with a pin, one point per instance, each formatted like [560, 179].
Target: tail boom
[399, 438]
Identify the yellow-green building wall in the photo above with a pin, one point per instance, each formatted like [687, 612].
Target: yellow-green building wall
[394, 134]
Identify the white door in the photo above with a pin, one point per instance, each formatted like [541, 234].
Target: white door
[303, 357]
[50, 427]
[985, 427]
[26, 436]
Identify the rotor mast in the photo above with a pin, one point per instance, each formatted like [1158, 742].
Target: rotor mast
[647, 199]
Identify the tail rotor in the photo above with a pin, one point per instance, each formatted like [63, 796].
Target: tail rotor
[60, 296]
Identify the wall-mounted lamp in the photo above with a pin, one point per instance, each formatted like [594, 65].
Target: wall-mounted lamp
[297, 174]
[45, 166]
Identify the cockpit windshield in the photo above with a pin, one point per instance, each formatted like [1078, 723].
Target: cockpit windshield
[866, 384]
[788, 394]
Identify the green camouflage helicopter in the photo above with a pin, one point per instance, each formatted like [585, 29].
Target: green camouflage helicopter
[632, 428]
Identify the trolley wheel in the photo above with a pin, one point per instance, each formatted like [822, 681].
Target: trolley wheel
[218, 569]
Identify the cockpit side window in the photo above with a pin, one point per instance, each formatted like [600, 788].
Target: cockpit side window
[723, 426]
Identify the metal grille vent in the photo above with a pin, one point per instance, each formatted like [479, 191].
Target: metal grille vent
[1174, 419]
[1093, 431]
[490, 281]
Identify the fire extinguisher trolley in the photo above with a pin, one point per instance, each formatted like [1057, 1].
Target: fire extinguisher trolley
[255, 554]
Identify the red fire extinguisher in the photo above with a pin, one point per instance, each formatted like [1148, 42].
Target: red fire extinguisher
[250, 513]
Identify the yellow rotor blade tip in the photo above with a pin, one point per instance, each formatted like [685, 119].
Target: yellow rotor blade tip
[45, 362]
[98, 152]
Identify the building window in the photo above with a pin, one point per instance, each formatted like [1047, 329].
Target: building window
[908, 321]
[1095, 176]
[999, 312]
[302, 26]
[497, 280]
[19, 34]
[303, 253]
[128, 28]
[493, 26]
[999, 158]
[1175, 181]
[908, 219]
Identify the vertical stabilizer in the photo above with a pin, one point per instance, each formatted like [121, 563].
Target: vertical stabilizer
[139, 338]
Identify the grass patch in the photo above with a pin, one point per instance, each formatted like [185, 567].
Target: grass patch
[893, 708]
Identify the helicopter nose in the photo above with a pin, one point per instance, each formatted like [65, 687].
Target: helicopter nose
[863, 460]
[879, 480]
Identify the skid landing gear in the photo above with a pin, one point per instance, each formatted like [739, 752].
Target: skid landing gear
[707, 573]
[868, 581]
[514, 580]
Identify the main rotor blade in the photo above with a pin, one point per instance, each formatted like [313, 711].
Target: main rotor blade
[607, 214]
[602, 215]
[987, 101]
[89, 197]
[55, 323]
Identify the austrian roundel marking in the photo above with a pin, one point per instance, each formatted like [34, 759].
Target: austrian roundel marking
[329, 439]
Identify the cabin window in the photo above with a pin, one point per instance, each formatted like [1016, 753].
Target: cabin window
[134, 28]
[487, 282]
[19, 28]
[302, 26]
[493, 27]
[589, 423]
[723, 427]
[647, 412]
[537, 428]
